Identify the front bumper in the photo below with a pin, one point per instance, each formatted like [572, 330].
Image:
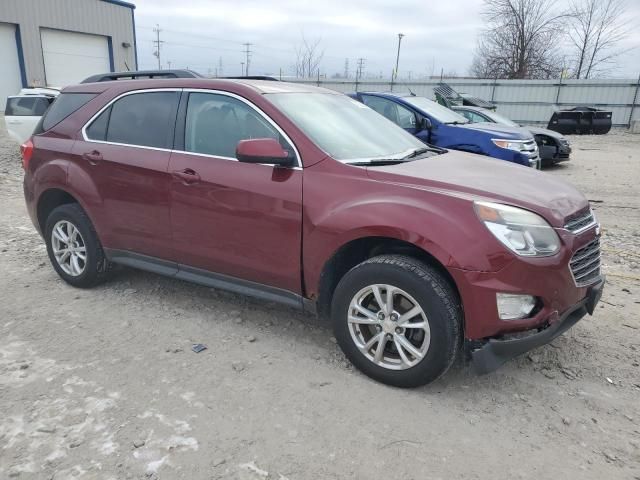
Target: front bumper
[493, 353]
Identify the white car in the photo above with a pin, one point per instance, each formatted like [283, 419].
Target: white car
[23, 111]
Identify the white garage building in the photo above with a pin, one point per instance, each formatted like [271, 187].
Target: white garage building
[60, 42]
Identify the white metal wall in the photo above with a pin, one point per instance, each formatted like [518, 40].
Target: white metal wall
[99, 17]
[10, 80]
[524, 101]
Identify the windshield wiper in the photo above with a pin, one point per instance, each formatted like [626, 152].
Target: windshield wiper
[379, 162]
[416, 152]
[413, 155]
[456, 122]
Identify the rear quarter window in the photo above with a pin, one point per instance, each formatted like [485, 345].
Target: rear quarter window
[64, 105]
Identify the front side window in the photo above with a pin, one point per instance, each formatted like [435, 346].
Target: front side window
[344, 128]
[143, 119]
[398, 114]
[216, 123]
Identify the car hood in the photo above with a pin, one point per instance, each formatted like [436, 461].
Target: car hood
[499, 131]
[545, 131]
[475, 177]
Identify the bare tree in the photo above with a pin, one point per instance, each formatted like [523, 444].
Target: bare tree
[308, 58]
[520, 41]
[596, 29]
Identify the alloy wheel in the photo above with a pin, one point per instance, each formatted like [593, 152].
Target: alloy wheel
[389, 327]
[69, 248]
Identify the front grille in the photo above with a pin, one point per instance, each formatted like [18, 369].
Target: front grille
[585, 263]
[530, 149]
[580, 221]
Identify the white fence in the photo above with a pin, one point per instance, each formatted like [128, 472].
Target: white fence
[524, 101]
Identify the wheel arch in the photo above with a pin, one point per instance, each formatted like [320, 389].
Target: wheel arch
[360, 249]
[50, 199]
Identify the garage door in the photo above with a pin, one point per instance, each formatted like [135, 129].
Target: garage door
[10, 80]
[70, 57]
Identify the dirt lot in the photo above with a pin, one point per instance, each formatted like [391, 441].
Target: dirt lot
[102, 384]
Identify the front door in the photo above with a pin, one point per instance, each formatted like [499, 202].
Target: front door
[237, 219]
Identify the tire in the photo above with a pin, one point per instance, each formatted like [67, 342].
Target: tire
[94, 268]
[415, 283]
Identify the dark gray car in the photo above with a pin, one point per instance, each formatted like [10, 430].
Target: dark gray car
[553, 146]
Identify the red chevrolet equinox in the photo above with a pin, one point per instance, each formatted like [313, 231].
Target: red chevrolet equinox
[301, 195]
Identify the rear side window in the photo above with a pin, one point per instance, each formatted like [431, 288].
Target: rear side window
[144, 119]
[29, 106]
[64, 105]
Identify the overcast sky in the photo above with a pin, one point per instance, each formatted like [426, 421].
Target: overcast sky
[200, 34]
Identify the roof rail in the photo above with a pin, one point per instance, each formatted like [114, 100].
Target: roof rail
[146, 74]
[252, 77]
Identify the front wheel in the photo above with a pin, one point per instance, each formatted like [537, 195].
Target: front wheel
[398, 320]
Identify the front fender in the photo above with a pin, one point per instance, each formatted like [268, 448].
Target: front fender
[441, 225]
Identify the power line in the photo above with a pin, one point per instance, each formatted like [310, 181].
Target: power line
[157, 43]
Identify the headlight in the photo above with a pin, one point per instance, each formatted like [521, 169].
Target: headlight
[517, 145]
[521, 231]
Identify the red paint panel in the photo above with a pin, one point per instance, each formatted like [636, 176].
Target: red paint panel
[240, 219]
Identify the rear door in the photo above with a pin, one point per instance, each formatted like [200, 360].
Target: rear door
[22, 114]
[124, 156]
[237, 219]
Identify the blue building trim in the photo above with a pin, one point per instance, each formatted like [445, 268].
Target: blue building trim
[135, 41]
[112, 67]
[120, 3]
[23, 71]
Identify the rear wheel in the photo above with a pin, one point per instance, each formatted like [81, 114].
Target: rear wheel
[398, 320]
[73, 247]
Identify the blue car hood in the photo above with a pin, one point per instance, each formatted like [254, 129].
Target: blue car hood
[499, 131]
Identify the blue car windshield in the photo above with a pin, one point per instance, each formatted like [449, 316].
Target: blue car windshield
[435, 110]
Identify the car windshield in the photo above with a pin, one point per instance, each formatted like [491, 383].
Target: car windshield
[496, 117]
[346, 129]
[435, 110]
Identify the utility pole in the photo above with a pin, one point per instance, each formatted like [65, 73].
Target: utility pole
[242, 65]
[248, 56]
[400, 35]
[360, 70]
[220, 69]
[346, 68]
[157, 44]
[169, 63]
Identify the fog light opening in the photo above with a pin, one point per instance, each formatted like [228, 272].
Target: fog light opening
[513, 306]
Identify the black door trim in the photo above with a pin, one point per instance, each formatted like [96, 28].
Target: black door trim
[209, 279]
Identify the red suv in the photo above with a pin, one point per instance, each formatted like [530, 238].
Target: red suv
[304, 196]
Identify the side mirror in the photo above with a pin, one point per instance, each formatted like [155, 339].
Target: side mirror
[425, 123]
[263, 150]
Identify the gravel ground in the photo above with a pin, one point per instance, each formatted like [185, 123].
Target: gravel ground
[102, 384]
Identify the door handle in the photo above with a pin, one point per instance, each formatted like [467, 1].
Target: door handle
[187, 176]
[93, 157]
